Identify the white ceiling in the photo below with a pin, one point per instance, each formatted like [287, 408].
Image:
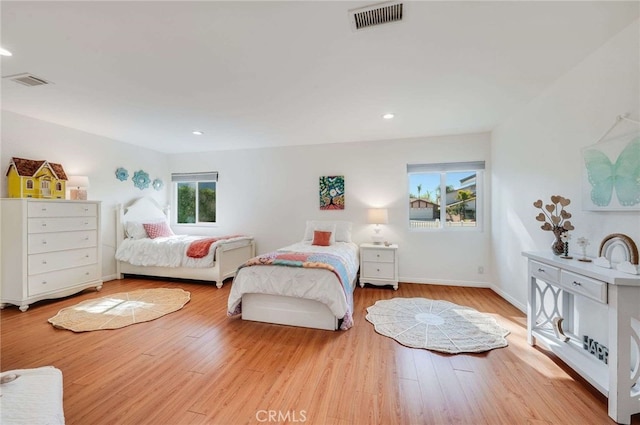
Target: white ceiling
[257, 74]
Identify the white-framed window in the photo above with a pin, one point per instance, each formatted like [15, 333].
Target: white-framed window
[195, 197]
[445, 195]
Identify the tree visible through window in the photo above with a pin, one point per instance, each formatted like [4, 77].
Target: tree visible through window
[195, 197]
[445, 195]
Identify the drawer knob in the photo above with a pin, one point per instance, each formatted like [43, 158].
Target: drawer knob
[576, 283]
[86, 238]
[44, 224]
[44, 209]
[44, 242]
[86, 209]
[44, 282]
[377, 269]
[541, 270]
[44, 261]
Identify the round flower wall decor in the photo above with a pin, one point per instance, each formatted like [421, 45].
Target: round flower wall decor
[122, 174]
[157, 184]
[141, 179]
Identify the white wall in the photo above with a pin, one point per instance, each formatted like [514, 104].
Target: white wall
[271, 192]
[537, 153]
[82, 153]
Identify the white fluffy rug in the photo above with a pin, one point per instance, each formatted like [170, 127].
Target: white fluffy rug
[436, 325]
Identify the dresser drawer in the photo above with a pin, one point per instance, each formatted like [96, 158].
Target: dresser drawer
[61, 209]
[47, 242]
[592, 288]
[62, 279]
[50, 261]
[378, 255]
[545, 272]
[46, 225]
[378, 270]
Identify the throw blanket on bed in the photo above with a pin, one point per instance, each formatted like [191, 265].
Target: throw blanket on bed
[200, 248]
[315, 260]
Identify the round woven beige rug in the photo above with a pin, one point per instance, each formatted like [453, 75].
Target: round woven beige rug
[120, 310]
[436, 325]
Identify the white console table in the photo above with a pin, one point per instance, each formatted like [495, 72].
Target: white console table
[554, 285]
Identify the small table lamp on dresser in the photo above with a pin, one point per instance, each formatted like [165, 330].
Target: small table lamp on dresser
[78, 186]
[378, 216]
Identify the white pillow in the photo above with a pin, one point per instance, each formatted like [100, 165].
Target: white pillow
[342, 229]
[135, 229]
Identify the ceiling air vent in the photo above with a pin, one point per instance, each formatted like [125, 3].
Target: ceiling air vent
[377, 14]
[28, 80]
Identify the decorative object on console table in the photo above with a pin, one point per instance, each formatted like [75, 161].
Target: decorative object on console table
[556, 219]
[379, 265]
[331, 192]
[609, 244]
[583, 243]
[377, 216]
[78, 186]
[565, 236]
[27, 178]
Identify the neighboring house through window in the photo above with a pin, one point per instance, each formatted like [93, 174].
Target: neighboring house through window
[195, 197]
[445, 195]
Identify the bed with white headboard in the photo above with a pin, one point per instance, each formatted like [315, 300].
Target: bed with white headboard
[165, 255]
[306, 284]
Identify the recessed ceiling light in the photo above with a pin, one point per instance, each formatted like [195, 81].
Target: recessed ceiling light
[5, 52]
[197, 132]
[388, 116]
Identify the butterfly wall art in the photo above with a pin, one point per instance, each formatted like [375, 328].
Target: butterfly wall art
[611, 177]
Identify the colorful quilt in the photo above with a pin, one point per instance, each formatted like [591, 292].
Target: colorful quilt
[317, 260]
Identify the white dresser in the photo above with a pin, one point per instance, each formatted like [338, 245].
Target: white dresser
[379, 265]
[555, 286]
[50, 249]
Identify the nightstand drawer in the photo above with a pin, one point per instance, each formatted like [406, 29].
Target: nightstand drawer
[378, 255]
[378, 270]
[545, 272]
[592, 288]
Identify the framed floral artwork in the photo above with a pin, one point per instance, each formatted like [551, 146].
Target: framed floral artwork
[332, 193]
[611, 174]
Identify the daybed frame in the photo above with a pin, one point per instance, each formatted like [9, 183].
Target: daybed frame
[226, 263]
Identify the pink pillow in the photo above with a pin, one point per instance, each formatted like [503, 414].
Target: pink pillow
[321, 238]
[158, 230]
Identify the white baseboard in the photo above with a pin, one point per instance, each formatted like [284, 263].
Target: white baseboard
[445, 282]
[509, 299]
[109, 277]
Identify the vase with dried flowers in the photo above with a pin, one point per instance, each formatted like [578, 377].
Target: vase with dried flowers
[556, 219]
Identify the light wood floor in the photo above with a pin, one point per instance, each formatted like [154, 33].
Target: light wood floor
[197, 366]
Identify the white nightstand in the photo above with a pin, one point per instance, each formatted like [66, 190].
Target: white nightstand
[379, 265]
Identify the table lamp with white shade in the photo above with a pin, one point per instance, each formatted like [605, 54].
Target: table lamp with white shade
[78, 186]
[378, 216]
